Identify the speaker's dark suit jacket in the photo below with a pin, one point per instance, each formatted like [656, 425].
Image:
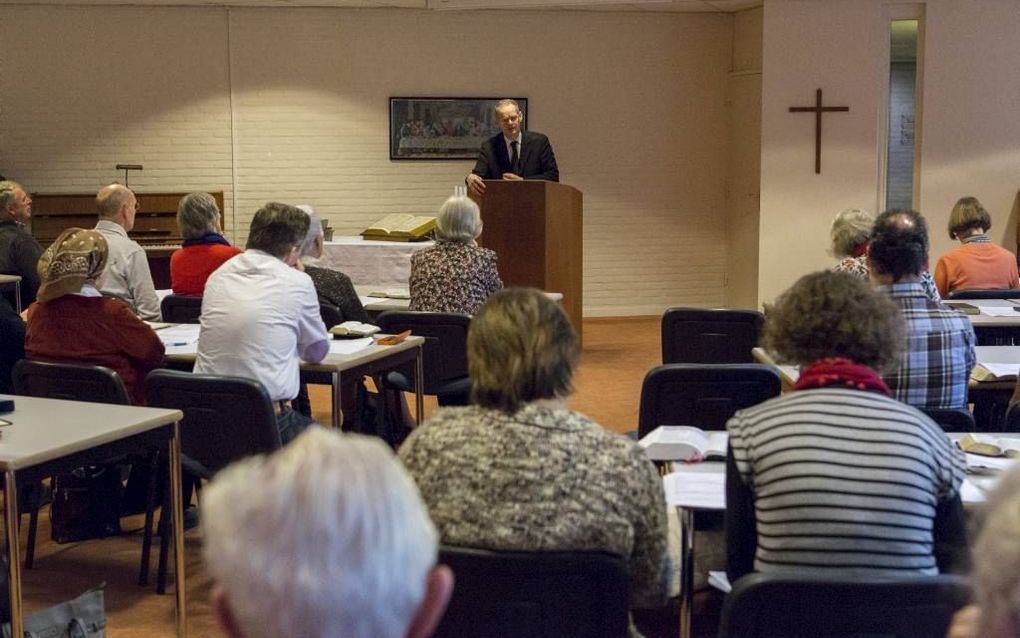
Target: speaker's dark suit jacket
[536, 161]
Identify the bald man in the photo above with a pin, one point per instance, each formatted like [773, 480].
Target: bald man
[127, 271]
[19, 251]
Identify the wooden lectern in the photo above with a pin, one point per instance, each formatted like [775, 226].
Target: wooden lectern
[535, 228]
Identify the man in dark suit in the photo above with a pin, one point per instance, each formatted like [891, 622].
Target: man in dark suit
[513, 154]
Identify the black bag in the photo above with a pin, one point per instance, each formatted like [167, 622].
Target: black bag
[86, 504]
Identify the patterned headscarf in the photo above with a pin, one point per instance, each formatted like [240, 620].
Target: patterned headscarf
[77, 257]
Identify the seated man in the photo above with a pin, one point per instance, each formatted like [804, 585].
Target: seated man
[260, 314]
[327, 537]
[935, 366]
[19, 251]
[127, 274]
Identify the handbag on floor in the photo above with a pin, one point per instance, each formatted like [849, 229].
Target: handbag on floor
[86, 504]
[83, 617]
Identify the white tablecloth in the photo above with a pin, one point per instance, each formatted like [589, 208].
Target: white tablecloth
[375, 263]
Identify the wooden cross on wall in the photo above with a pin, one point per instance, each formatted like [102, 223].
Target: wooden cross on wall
[818, 109]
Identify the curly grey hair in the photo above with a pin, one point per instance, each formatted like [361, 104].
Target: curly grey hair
[850, 228]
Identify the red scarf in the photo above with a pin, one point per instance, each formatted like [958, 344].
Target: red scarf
[860, 249]
[838, 371]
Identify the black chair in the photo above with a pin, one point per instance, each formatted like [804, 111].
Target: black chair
[534, 594]
[444, 355]
[331, 315]
[1012, 421]
[985, 293]
[225, 419]
[767, 606]
[698, 335]
[76, 382]
[181, 308]
[703, 395]
[952, 419]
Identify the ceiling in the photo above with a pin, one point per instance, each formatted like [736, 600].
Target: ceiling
[671, 6]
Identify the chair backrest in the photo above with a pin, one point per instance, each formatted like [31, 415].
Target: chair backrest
[952, 419]
[444, 355]
[70, 381]
[225, 418]
[534, 594]
[1012, 420]
[764, 606]
[985, 293]
[331, 315]
[704, 395]
[699, 335]
[181, 308]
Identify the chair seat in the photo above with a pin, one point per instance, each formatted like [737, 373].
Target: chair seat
[403, 383]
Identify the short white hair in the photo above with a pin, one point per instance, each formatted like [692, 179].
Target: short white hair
[459, 219]
[996, 556]
[326, 537]
[314, 231]
[850, 228]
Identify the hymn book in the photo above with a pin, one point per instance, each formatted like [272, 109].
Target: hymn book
[684, 443]
[353, 329]
[400, 227]
[985, 445]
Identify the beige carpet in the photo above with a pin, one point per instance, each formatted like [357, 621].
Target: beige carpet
[617, 354]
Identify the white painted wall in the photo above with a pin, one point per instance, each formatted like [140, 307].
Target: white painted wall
[970, 140]
[291, 104]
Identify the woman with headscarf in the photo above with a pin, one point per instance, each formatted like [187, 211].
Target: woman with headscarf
[71, 322]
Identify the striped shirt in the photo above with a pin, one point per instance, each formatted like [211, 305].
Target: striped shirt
[935, 366]
[844, 479]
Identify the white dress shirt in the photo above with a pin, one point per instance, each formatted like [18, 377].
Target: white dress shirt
[127, 271]
[259, 316]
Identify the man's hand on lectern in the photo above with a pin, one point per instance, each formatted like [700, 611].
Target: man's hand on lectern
[475, 184]
[512, 177]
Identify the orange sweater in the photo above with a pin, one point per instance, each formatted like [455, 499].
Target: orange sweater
[976, 265]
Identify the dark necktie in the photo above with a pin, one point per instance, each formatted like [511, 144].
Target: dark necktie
[513, 157]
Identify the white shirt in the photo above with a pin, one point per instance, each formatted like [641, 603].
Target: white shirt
[258, 316]
[127, 271]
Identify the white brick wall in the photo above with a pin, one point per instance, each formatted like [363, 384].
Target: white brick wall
[292, 105]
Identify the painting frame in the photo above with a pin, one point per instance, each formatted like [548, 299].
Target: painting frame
[443, 128]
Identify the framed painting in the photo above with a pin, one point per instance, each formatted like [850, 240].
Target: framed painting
[443, 128]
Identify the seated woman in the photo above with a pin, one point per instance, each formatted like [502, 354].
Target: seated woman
[850, 232]
[71, 322]
[977, 263]
[519, 471]
[332, 286]
[837, 477]
[455, 275]
[204, 247]
[996, 576]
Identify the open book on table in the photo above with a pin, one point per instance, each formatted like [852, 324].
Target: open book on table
[995, 371]
[353, 329]
[400, 227]
[684, 443]
[988, 445]
[391, 293]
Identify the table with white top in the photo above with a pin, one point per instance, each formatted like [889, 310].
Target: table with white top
[401, 298]
[692, 487]
[357, 357]
[49, 437]
[380, 263]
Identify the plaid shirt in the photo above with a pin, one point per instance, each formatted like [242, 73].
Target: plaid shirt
[936, 365]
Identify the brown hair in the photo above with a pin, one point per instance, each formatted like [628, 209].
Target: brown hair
[834, 314]
[521, 347]
[968, 214]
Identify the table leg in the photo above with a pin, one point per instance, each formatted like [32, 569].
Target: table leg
[338, 413]
[686, 517]
[13, 551]
[177, 503]
[419, 388]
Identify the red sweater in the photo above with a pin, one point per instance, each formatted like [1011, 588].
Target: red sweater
[191, 266]
[94, 331]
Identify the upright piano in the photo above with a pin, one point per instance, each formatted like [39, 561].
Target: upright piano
[155, 223]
